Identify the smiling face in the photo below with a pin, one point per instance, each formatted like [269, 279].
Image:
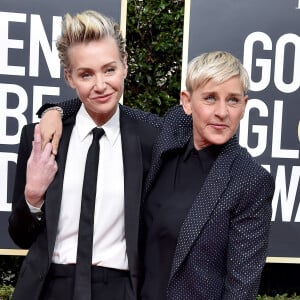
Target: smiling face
[216, 110]
[97, 75]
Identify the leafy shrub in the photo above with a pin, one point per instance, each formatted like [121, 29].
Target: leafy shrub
[154, 45]
[279, 297]
[6, 292]
[9, 268]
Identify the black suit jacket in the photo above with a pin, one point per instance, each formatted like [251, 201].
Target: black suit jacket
[39, 236]
[222, 244]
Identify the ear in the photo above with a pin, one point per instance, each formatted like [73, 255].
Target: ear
[125, 66]
[68, 78]
[246, 101]
[185, 98]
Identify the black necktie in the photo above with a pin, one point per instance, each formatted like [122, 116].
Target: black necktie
[82, 283]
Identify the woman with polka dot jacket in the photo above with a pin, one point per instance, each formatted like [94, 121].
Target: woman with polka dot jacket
[207, 203]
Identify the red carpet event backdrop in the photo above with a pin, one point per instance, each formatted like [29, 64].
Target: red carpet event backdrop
[264, 34]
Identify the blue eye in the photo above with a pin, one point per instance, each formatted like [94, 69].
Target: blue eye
[234, 101]
[210, 99]
[110, 70]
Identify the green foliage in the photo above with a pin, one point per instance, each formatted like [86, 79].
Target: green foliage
[6, 292]
[279, 297]
[9, 268]
[154, 45]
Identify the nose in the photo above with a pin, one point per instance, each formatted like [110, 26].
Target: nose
[221, 109]
[99, 84]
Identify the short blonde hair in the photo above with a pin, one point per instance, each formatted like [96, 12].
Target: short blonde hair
[217, 65]
[84, 27]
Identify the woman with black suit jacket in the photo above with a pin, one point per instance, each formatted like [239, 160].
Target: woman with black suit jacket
[50, 192]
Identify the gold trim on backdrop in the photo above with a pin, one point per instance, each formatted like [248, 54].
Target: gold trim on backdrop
[13, 252]
[284, 260]
[123, 22]
[185, 46]
[123, 17]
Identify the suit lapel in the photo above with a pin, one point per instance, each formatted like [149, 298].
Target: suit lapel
[205, 202]
[133, 180]
[176, 137]
[54, 192]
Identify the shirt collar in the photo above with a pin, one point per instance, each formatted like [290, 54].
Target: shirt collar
[188, 149]
[207, 155]
[85, 124]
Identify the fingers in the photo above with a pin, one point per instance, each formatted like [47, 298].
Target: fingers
[37, 133]
[45, 141]
[46, 138]
[41, 170]
[48, 151]
[55, 142]
[36, 144]
[37, 149]
[51, 129]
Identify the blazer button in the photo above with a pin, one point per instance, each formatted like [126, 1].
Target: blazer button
[42, 276]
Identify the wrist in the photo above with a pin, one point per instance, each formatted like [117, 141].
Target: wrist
[55, 108]
[33, 197]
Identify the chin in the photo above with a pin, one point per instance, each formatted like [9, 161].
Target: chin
[220, 141]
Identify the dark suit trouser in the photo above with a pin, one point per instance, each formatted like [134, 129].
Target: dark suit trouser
[107, 284]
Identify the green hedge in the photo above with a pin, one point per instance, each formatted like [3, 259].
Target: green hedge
[279, 297]
[7, 290]
[154, 44]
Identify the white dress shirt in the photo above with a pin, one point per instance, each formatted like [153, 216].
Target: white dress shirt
[109, 245]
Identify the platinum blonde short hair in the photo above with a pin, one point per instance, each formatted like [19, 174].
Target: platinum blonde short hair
[84, 27]
[219, 66]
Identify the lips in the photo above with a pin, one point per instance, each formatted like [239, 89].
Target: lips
[102, 98]
[219, 126]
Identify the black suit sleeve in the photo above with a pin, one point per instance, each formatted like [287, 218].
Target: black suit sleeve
[70, 107]
[248, 236]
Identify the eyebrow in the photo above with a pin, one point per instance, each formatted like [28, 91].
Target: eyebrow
[230, 94]
[237, 94]
[104, 66]
[110, 63]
